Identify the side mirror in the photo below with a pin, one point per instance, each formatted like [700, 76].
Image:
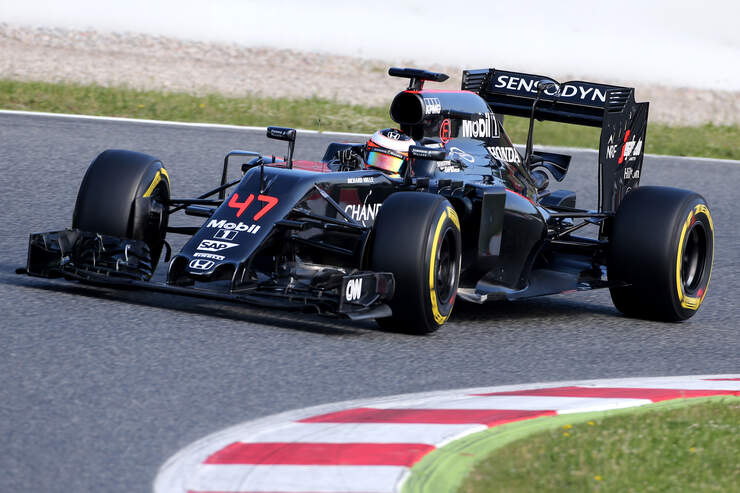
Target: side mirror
[288, 134]
[421, 152]
[281, 133]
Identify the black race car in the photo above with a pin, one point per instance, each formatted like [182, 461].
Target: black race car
[465, 215]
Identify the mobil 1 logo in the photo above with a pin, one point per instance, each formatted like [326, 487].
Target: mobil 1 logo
[225, 234]
[231, 227]
[480, 128]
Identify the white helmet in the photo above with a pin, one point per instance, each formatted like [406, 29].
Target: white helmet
[388, 150]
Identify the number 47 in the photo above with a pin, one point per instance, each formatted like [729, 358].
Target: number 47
[270, 202]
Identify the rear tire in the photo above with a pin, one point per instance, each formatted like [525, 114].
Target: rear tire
[125, 194]
[417, 238]
[662, 244]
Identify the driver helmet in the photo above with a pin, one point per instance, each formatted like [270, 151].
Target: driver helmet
[388, 150]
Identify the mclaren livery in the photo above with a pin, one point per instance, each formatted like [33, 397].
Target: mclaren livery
[461, 214]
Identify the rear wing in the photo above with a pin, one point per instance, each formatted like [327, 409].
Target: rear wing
[623, 121]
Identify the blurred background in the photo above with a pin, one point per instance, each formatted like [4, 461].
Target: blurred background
[682, 55]
[675, 43]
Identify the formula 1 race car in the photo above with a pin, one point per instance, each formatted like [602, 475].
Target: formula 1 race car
[398, 236]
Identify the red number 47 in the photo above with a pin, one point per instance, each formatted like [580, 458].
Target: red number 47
[270, 202]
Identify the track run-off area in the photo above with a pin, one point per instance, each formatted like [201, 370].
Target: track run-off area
[99, 387]
[412, 443]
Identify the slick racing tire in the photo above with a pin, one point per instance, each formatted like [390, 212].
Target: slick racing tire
[662, 245]
[416, 236]
[125, 194]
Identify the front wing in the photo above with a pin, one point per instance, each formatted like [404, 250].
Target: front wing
[119, 262]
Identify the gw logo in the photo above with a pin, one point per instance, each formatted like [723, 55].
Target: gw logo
[354, 289]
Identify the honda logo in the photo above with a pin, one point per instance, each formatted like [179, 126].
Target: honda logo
[201, 264]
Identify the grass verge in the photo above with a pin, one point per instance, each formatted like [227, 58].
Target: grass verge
[690, 448]
[314, 113]
[323, 115]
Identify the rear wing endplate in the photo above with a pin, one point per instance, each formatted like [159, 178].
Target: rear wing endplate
[623, 121]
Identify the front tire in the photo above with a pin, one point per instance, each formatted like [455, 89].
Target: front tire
[417, 238]
[662, 245]
[125, 194]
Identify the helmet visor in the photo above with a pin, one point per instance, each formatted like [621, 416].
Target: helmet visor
[384, 161]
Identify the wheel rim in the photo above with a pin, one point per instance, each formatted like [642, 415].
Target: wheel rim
[694, 258]
[446, 269]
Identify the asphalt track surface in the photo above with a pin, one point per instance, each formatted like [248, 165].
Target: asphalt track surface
[99, 387]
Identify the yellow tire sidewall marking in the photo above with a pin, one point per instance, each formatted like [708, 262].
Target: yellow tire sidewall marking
[449, 212]
[691, 302]
[157, 178]
[438, 317]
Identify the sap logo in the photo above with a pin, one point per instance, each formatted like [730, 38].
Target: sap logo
[480, 128]
[215, 246]
[432, 106]
[507, 154]
[209, 255]
[249, 228]
[354, 290]
[201, 264]
[362, 212]
[225, 234]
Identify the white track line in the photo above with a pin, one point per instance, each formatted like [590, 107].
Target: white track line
[284, 479]
[524, 403]
[362, 432]
[680, 383]
[221, 126]
[305, 131]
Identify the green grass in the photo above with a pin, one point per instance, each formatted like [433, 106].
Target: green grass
[314, 113]
[324, 115]
[721, 142]
[691, 448]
